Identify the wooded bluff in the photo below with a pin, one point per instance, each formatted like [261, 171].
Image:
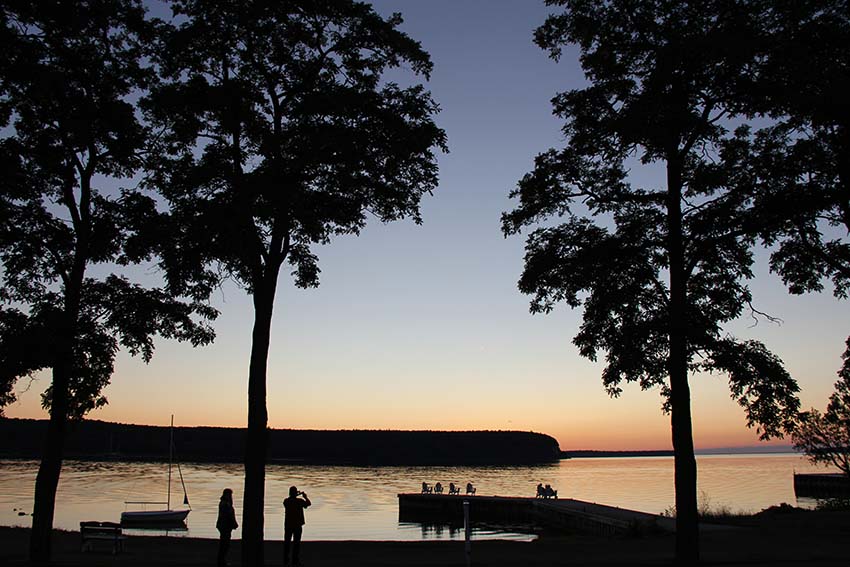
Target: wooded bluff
[100, 440]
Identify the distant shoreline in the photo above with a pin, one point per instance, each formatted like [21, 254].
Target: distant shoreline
[100, 440]
[754, 450]
[95, 440]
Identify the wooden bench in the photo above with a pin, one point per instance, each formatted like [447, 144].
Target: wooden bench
[110, 532]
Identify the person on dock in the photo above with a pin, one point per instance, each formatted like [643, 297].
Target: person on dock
[225, 524]
[293, 523]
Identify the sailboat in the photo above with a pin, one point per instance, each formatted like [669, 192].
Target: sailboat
[167, 516]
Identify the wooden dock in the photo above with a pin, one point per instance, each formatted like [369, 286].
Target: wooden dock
[822, 485]
[564, 514]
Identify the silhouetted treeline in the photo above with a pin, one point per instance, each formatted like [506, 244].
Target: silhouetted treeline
[23, 438]
[590, 453]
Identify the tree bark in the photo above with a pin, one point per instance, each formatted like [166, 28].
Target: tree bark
[47, 480]
[256, 446]
[687, 521]
[50, 468]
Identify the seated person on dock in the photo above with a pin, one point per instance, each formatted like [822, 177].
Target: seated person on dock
[470, 489]
[426, 488]
[550, 492]
[453, 489]
[438, 488]
[541, 492]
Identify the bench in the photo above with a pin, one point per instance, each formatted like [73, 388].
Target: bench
[110, 532]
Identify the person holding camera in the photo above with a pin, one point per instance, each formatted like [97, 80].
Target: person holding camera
[292, 524]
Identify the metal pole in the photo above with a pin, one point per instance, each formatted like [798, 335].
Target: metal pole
[170, 458]
[467, 532]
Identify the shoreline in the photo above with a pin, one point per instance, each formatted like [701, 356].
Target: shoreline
[789, 537]
[569, 455]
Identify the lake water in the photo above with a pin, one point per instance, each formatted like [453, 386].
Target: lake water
[359, 503]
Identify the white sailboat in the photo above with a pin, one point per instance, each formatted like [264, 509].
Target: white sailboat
[160, 517]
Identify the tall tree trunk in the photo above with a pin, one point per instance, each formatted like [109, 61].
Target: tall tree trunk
[49, 470]
[687, 526]
[256, 445]
[47, 480]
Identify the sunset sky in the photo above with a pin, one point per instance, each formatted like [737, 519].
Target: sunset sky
[422, 327]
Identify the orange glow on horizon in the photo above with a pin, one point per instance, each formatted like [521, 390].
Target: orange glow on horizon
[635, 424]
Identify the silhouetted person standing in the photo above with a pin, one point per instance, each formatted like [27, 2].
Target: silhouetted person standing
[292, 524]
[225, 524]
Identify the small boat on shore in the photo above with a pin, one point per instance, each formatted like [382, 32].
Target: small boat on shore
[153, 517]
[159, 518]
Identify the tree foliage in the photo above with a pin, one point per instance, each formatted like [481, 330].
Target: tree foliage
[68, 80]
[66, 89]
[825, 437]
[279, 132]
[801, 163]
[658, 271]
[655, 97]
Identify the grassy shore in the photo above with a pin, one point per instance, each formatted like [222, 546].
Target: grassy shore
[794, 537]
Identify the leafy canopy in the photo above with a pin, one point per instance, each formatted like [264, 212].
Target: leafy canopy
[825, 437]
[280, 133]
[801, 165]
[660, 74]
[68, 78]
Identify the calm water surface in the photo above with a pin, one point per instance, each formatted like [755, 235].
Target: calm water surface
[360, 503]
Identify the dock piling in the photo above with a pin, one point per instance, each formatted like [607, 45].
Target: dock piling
[467, 529]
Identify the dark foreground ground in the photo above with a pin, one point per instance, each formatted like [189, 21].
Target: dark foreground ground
[788, 538]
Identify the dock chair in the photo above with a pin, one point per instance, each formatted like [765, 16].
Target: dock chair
[438, 488]
[426, 488]
[470, 489]
[454, 489]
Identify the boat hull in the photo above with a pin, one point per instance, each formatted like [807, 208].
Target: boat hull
[154, 517]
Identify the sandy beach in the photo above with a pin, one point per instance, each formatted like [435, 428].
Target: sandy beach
[785, 538]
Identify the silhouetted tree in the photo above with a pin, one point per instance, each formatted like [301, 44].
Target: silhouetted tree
[800, 165]
[658, 271]
[68, 72]
[282, 134]
[825, 437]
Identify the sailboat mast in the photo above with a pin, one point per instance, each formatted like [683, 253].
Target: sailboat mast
[170, 459]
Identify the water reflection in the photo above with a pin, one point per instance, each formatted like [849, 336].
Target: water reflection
[360, 502]
[174, 531]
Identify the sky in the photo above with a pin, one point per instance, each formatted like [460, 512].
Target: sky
[422, 327]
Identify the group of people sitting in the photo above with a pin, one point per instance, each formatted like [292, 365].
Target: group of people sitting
[453, 489]
[546, 491]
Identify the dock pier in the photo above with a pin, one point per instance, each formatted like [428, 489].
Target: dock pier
[563, 514]
[822, 485]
